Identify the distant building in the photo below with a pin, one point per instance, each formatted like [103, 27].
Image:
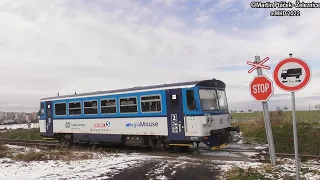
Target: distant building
[2, 117]
[10, 115]
[18, 117]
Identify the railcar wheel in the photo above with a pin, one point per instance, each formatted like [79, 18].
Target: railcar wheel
[67, 140]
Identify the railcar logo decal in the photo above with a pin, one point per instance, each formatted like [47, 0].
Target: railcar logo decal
[74, 125]
[142, 124]
[102, 125]
[67, 125]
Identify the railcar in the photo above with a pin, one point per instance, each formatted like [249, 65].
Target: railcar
[168, 115]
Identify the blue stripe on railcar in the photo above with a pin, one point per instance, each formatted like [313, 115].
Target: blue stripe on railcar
[185, 104]
[162, 113]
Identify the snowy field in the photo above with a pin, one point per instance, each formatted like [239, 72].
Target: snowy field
[17, 126]
[97, 166]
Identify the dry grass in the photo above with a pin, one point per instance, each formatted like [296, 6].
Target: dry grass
[55, 154]
[21, 154]
[237, 173]
[30, 156]
[3, 151]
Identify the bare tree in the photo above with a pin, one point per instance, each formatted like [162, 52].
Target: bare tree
[249, 110]
[285, 108]
[317, 106]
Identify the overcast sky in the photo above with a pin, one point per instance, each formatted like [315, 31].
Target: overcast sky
[50, 46]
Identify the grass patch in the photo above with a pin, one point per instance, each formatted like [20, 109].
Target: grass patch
[34, 134]
[282, 129]
[242, 174]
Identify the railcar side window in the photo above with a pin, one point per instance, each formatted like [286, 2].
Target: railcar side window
[60, 109]
[74, 108]
[90, 107]
[108, 106]
[42, 109]
[191, 102]
[222, 99]
[128, 105]
[151, 103]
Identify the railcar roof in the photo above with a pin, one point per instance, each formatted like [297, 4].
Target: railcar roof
[209, 83]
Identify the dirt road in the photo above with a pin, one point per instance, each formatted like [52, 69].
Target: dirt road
[167, 169]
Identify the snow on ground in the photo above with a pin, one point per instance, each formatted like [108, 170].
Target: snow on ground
[109, 166]
[84, 169]
[17, 126]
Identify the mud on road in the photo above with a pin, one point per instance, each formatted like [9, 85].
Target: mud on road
[167, 169]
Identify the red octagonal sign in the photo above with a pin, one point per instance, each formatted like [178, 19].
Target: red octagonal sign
[261, 88]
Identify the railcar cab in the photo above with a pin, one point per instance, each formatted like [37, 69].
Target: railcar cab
[206, 112]
[207, 98]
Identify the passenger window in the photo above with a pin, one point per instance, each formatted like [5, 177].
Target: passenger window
[128, 105]
[151, 103]
[191, 102]
[60, 109]
[74, 108]
[108, 106]
[90, 107]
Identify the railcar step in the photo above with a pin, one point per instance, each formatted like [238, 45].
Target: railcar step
[180, 144]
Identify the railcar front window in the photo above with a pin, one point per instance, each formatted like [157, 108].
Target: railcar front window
[208, 99]
[222, 99]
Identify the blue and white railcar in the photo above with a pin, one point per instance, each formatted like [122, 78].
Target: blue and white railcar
[161, 115]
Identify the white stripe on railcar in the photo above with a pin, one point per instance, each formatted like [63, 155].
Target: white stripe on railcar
[194, 125]
[150, 126]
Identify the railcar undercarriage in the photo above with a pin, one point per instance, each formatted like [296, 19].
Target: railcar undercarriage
[216, 139]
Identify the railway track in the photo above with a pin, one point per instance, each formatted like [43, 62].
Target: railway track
[118, 148]
[24, 142]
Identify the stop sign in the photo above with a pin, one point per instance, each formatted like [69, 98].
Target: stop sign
[261, 88]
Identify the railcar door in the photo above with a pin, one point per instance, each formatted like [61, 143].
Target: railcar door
[175, 114]
[49, 122]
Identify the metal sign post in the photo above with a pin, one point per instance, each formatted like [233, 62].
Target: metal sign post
[29, 126]
[293, 74]
[258, 65]
[295, 133]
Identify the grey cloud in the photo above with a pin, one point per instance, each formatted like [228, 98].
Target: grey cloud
[237, 86]
[50, 47]
[311, 98]
[317, 74]
[20, 102]
[280, 95]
